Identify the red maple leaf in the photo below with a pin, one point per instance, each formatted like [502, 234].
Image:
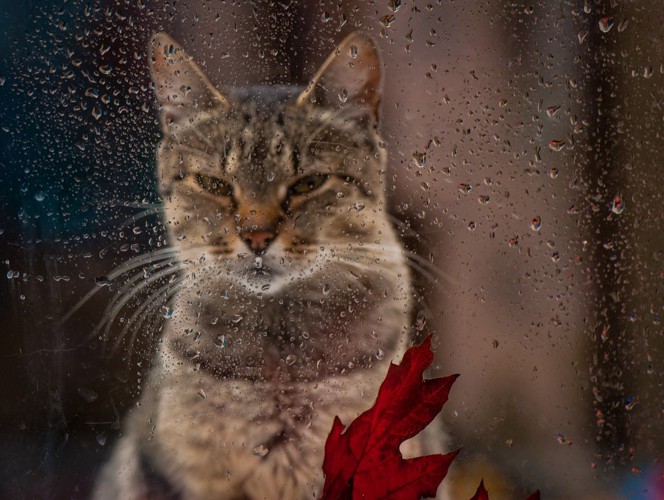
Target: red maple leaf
[363, 460]
[481, 493]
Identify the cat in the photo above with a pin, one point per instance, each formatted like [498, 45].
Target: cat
[295, 294]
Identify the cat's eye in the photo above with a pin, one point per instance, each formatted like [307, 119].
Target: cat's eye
[214, 186]
[307, 184]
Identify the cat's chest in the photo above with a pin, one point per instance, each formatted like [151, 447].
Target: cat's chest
[207, 426]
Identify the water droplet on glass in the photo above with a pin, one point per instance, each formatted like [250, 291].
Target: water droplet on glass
[605, 24]
[359, 206]
[101, 438]
[472, 226]
[553, 173]
[394, 5]
[221, 341]
[622, 25]
[484, 199]
[237, 319]
[103, 281]
[420, 159]
[464, 188]
[618, 205]
[556, 145]
[343, 95]
[552, 110]
[631, 402]
[291, 359]
[105, 69]
[536, 223]
[202, 394]
[270, 176]
[326, 289]
[380, 354]
[39, 196]
[387, 20]
[167, 312]
[555, 257]
[260, 451]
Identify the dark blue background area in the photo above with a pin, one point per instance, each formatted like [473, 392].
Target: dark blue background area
[77, 161]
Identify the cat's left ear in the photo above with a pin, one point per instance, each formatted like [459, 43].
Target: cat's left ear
[352, 74]
[182, 88]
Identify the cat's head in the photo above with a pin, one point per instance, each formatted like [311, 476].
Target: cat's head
[272, 181]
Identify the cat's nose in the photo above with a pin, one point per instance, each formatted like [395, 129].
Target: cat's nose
[258, 241]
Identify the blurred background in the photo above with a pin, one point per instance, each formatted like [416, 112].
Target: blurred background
[525, 142]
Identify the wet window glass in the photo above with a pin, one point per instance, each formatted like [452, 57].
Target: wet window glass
[221, 221]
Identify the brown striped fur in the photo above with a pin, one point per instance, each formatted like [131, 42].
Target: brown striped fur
[266, 347]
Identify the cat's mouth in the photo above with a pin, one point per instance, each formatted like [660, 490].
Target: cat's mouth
[259, 275]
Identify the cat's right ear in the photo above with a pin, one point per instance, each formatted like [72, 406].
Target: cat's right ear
[182, 88]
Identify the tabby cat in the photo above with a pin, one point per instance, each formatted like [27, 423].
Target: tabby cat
[294, 297]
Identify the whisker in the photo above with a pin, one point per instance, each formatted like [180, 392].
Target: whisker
[153, 298]
[165, 297]
[156, 256]
[114, 308]
[141, 215]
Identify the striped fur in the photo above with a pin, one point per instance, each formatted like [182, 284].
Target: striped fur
[264, 350]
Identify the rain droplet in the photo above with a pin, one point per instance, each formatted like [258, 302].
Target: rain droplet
[387, 20]
[484, 199]
[605, 24]
[270, 176]
[557, 145]
[380, 354]
[622, 25]
[394, 5]
[464, 188]
[553, 173]
[618, 205]
[326, 288]
[103, 281]
[359, 206]
[202, 394]
[291, 359]
[343, 95]
[221, 341]
[39, 196]
[472, 226]
[167, 312]
[420, 159]
[260, 451]
[536, 223]
[552, 110]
